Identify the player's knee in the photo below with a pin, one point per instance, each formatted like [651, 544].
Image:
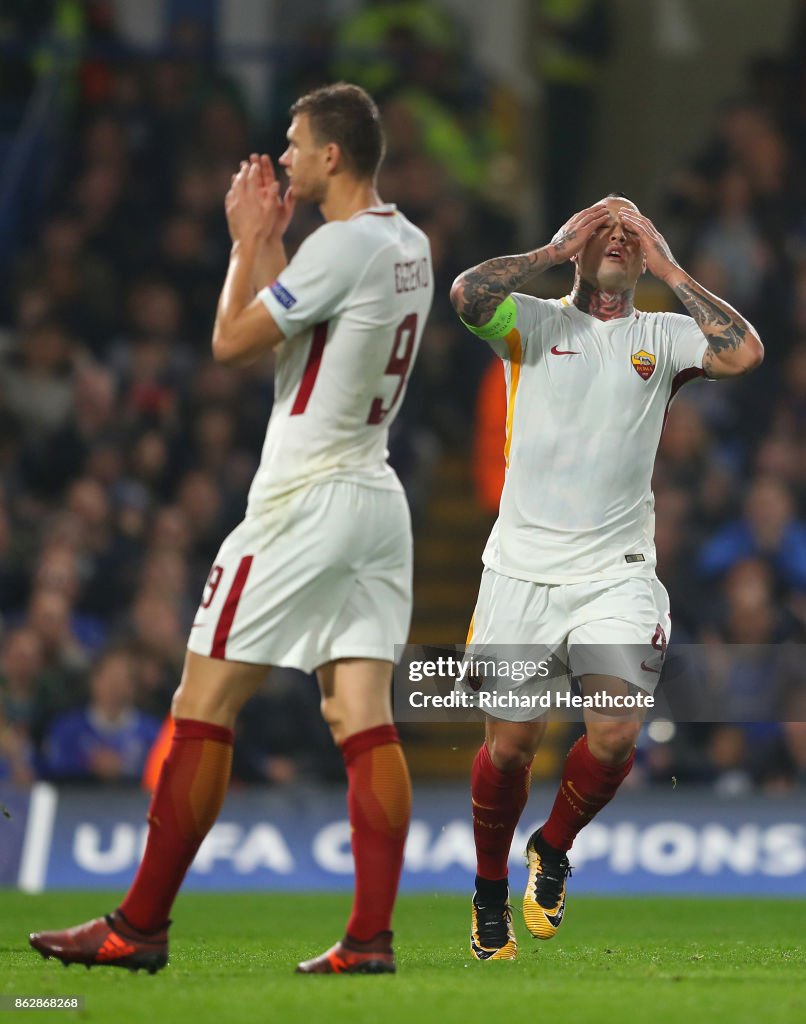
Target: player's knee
[613, 742]
[191, 702]
[179, 704]
[203, 704]
[509, 753]
[332, 714]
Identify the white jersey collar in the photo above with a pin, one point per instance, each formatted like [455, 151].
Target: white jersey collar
[384, 210]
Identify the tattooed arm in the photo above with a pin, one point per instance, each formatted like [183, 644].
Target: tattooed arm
[477, 293]
[734, 347]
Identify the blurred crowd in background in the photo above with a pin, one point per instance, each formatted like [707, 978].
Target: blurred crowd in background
[127, 453]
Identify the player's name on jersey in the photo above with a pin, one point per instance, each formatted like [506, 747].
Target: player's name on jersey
[411, 275]
[490, 700]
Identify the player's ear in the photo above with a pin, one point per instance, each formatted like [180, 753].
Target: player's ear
[333, 161]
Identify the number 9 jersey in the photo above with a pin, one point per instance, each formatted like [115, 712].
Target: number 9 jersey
[352, 305]
[321, 567]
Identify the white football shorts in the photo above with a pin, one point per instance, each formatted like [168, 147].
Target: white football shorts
[324, 574]
[618, 627]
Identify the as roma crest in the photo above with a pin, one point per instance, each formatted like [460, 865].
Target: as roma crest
[643, 364]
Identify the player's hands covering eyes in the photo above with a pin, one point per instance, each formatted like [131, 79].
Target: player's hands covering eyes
[574, 234]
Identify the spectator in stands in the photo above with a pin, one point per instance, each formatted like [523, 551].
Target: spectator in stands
[769, 528]
[190, 262]
[16, 754]
[22, 677]
[81, 289]
[51, 462]
[38, 379]
[155, 632]
[200, 499]
[108, 559]
[148, 466]
[108, 739]
[789, 411]
[737, 125]
[63, 568]
[25, 699]
[49, 615]
[731, 254]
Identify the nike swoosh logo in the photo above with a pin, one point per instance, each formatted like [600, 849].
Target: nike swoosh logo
[648, 668]
[555, 920]
[480, 951]
[561, 352]
[196, 624]
[577, 794]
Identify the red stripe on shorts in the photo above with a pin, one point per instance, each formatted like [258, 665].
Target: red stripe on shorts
[227, 615]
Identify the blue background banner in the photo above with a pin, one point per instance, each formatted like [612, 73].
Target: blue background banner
[676, 842]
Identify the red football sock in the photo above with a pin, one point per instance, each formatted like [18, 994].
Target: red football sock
[379, 804]
[498, 800]
[186, 802]
[586, 786]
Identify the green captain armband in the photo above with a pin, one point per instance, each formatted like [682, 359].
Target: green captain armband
[503, 320]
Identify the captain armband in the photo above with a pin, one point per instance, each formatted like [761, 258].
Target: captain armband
[502, 322]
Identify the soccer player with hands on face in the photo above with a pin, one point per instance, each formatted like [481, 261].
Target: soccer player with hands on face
[570, 563]
[318, 574]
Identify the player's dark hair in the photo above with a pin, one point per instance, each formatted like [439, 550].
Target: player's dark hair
[620, 195]
[347, 115]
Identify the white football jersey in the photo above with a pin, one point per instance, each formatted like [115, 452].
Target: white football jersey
[586, 404]
[352, 305]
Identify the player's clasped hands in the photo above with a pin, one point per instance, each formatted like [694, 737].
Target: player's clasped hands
[254, 205]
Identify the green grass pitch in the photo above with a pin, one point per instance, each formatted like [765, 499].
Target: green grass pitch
[615, 960]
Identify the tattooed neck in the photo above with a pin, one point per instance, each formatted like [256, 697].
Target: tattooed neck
[602, 305]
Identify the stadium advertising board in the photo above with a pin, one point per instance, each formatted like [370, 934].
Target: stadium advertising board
[677, 842]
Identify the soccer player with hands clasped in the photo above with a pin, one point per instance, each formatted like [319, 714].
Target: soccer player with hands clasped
[570, 563]
[318, 575]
